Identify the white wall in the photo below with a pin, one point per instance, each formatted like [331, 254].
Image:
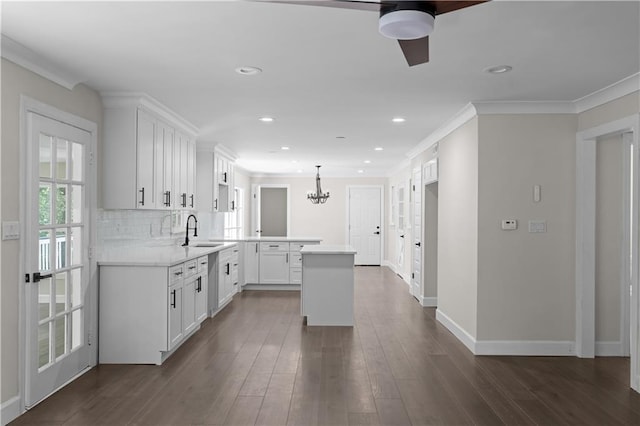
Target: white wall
[82, 102]
[458, 226]
[327, 221]
[526, 285]
[610, 111]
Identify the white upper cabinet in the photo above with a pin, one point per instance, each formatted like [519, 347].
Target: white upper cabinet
[149, 155]
[215, 182]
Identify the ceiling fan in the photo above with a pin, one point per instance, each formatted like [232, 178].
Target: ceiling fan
[409, 22]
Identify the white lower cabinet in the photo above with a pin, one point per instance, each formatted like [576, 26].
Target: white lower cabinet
[227, 275]
[148, 311]
[251, 261]
[274, 263]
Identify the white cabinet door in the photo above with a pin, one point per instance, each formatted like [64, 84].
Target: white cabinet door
[175, 315]
[251, 262]
[145, 152]
[189, 304]
[224, 276]
[164, 170]
[191, 174]
[201, 297]
[274, 267]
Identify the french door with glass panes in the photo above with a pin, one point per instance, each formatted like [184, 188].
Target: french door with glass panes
[59, 298]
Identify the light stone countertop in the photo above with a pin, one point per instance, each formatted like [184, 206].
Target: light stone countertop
[327, 249]
[267, 239]
[168, 255]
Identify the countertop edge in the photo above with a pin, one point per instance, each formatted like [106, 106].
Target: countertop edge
[197, 252]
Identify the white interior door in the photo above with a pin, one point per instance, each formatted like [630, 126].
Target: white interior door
[416, 264]
[60, 303]
[365, 224]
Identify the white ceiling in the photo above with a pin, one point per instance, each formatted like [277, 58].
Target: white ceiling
[327, 72]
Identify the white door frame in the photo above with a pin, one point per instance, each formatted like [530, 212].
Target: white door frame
[586, 141]
[255, 205]
[382, 227]
[29, 105]
[417, 188]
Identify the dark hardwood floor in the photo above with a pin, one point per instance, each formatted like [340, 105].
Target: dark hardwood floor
[256, 363]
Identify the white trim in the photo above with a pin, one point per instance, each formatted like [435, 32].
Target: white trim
[525, 348]
[255, 203]
[524, 107]
[461, 117]
[389, 265]
[461, 334]
[348, 205]
[610, 349]
[612, 92]
[625, 243]
[429, 302]
[30, 60]
[10, 410]
[135, 99]
[226, 152]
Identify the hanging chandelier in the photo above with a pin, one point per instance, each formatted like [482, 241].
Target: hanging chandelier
[319, 197]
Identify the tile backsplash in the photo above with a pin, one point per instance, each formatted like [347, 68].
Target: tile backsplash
[127, 228]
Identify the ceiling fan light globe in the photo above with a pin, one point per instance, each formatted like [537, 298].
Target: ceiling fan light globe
[406, 24]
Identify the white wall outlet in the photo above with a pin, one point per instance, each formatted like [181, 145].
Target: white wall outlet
[509, 224]
[537, 226]
[10, 230]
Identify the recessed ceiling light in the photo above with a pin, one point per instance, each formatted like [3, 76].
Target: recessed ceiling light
[367, 161]
[284, 148]
[248, 70]
[361, 171]
[293, 161]
[398, 120]
[499, 69]
[377, 149]
[266, 119]
[299, 171]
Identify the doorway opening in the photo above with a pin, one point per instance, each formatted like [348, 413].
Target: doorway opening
[271, 210]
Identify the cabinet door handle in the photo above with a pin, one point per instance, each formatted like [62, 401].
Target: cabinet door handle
[167, 198]
[228, 268]
[233, 205]
[191, 200]
[199, 287]
[173, 295]
[224, 179]
[141, 191]
[215, 204]
[256, 247]
[184, 199]
[287, 257]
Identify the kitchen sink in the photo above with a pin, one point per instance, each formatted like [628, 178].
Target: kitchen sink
[204, 244]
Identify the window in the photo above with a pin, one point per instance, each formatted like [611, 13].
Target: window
[234, 220]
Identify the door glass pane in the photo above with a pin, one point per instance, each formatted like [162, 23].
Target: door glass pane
[61, 248]
[76, 287]
[61, 204]
[61, 292]
[76, 328]
[76, 204]
[76, 245]
[61, 335]
[46, 143]
[44, 299]
[44, 251]
[62, 157]
[43, 344]
[77, 161]
[44, 204]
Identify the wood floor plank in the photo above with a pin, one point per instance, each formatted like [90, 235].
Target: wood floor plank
[256, 362]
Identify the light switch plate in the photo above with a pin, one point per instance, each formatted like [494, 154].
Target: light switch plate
[509, 224]
[10, 230]
[537, 226]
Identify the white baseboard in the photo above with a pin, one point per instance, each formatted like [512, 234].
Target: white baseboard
[609, 349]
[10, 410]
[525, 348]
[429, 302]
[507, 347]
[468, 340]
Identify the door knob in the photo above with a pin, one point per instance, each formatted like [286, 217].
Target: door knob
[377, 233]
[418, 244]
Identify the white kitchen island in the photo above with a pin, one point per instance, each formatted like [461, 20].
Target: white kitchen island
[327, 284]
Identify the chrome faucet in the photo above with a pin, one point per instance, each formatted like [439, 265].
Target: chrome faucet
[195, 230]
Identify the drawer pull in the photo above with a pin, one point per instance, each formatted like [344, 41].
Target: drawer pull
[192, 267]
[177, 273]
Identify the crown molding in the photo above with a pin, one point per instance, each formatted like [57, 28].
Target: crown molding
[405, 164]
[524, 107]
[223, 150]
[113, 99]
[612, 92]
[30, 60]
[460, 118]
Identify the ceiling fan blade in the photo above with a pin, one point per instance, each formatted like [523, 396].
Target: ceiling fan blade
[415, 51]
[440, 7]
[371, 6]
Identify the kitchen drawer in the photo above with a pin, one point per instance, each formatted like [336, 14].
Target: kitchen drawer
[176, 273]
[297, 245]
[296, 260]
[295, 275]
[203, 263]
[190, 268]
[266, 247]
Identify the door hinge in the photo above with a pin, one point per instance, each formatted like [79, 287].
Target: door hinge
[90, 253]
[91, 158]
[89, 338]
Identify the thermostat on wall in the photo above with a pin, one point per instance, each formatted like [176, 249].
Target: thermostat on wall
[509, 224]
